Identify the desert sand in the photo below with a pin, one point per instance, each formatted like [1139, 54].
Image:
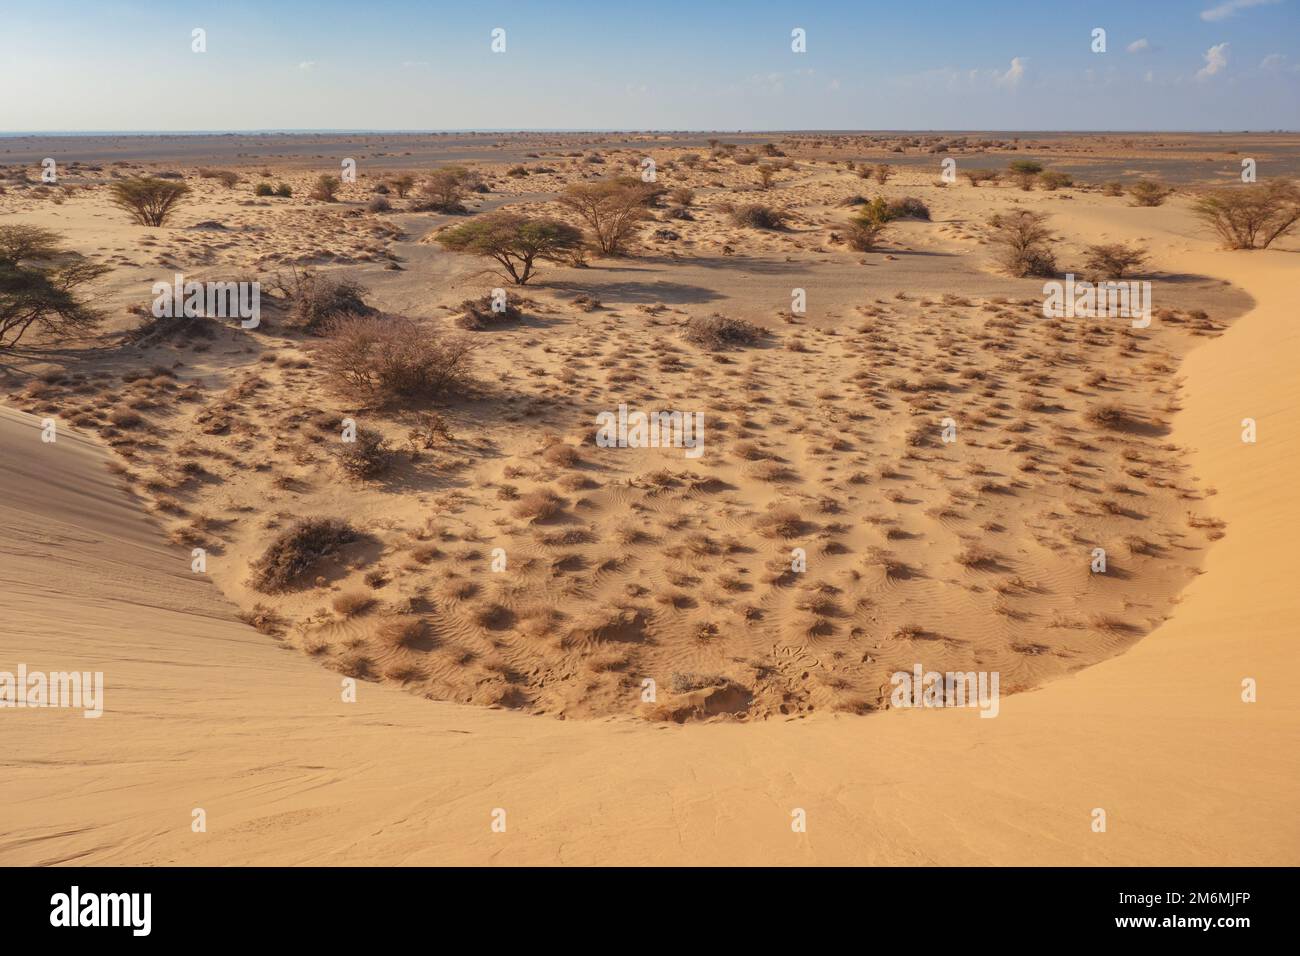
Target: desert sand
[1122, 694]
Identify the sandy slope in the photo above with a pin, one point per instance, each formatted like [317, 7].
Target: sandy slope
[204, 712]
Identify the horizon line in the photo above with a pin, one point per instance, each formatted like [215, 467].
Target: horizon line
[288, 131]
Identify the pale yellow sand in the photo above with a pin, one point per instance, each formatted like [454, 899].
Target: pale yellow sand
[203, 712]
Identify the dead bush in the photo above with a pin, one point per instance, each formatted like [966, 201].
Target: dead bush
[297, 550]
[484, 313]
[719, 332]
[353, 603]
[316, 300]
[401, 630]
[366, 456]
[540, 505]
[756, 216]
[389, 358]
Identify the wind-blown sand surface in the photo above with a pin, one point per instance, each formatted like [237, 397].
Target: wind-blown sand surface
[204, 712]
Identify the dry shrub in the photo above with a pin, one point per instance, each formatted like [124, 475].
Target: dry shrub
[977, 557]
[353, 603]
[388, 358]
[718, 332]
[540, 505]
[478, 314]
[781, 522]
[561, 455]
[977, 176]
[1051, 180]
[757, 216]
[682, 195]
[401, 184]
[297, 550]
[909, 207]
[326, 188]
[430, 430]
[317, 299]
[444, 191]
[1110, 415]
[367, 457]
[1147, 192]
[1023, 238]
[1113, 260]
[263, 619]
[401, 630]
[227, 177]
[355, 664]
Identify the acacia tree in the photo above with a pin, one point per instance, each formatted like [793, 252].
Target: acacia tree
[401, 184]
[1250, 217]
[515, 241]
[38, 283]
[1024, 172]
[149, 200]
[612, 208]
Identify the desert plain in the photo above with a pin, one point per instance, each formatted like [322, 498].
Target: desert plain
[651, 655]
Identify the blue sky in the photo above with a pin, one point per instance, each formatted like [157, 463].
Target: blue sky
[925, 64]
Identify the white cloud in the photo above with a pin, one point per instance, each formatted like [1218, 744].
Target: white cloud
[307, 65]
[1216, 58]
[1278, 63]
[1011, 78]
[1139, 46]
[1230, 7]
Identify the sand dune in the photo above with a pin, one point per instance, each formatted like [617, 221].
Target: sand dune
[204, 712]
